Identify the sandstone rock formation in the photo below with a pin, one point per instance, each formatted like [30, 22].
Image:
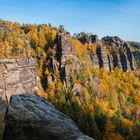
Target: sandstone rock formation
[135, 47]
[33, 118]
[16, 76]
[65, 62]
[113, 41]
[67, 58]
[123, 56]
[111, 53]
[87, 38]
[119, 53]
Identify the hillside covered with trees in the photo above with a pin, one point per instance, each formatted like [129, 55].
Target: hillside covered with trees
[95, 82]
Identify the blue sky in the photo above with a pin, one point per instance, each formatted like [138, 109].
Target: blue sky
[101, 17]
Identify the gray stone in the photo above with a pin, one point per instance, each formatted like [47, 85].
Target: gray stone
[23, 62]
[34, 118]
[67, 58]
[125, 60]
[16, 77]
[32, 62]
[87, 38]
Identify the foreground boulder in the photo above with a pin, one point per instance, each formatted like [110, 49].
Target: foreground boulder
[3, 108]
[34, 118]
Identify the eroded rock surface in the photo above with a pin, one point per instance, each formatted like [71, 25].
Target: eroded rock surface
[34, 118]
[123, 53]
[109, 53]
[16, 76]
[87, 38]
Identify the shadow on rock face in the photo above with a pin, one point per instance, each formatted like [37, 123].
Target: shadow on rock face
[34, 118]
[3, 108]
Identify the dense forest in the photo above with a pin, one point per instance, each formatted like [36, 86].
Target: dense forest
[107, 104]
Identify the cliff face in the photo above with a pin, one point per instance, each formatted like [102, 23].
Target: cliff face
[135, 46]
[110, 53]
[122, 53]
[67, 57]
[117, 53]
[17, 76]
[65, 62]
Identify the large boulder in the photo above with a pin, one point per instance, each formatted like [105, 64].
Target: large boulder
[3, 108]
[34, 118]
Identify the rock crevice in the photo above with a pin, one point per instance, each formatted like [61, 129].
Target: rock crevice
[16, 77]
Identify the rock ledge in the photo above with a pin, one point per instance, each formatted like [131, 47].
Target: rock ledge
[34, 118]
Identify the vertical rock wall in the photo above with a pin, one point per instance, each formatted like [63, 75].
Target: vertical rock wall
[110, 53]
[123, 58]
[67, 58]
[17, 76]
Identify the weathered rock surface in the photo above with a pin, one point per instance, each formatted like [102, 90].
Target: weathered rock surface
[87, 38]
[113, 41]
[135, 46]
[16, 76]
[65, 62]
[110, 53]
[34, 118]
[122, 53]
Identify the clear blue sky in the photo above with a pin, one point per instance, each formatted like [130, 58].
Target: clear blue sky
[101, 17]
